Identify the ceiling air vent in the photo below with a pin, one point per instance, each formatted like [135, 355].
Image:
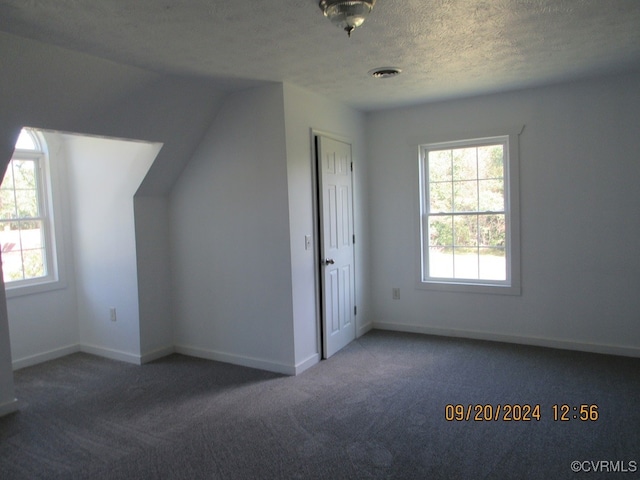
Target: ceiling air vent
[385, 72]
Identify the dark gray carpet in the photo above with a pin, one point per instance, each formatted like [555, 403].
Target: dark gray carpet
[375, 410]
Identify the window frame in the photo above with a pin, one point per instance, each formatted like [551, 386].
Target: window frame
[510, 286]
[51, 280]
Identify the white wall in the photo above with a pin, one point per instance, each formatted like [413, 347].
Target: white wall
[244, 284]
[305, 111]
[230, 247]
[154, 276]
[579, 177]
[104, 174]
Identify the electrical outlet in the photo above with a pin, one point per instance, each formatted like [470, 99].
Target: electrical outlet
[395, 292]
[112, 313]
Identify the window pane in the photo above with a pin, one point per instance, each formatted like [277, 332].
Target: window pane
[28, 263]
[493, 264]
[491, 195]
[27, 203]
[440, 166]
[12, 266]
[25, 141]
[9, 239]
[491, 161]
[492, 230]
[465, 262]
[440, 197]
[441, 262]
[34, 264]
[24, 173]
[7, 181]
[441, 231]
[465, 196]
[465, 164]
[465, 231]
[7, 204]
[31, 234]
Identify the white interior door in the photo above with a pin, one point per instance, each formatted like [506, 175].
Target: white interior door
[336, 247]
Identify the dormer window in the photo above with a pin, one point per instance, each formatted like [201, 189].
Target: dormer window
[25, 215]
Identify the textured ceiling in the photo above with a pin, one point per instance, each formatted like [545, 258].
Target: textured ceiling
[446, 48]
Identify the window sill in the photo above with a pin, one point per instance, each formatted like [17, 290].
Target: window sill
[459, 287]
[34, 288]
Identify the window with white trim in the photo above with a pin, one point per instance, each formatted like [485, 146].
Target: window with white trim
[469, 227]
[25, 217]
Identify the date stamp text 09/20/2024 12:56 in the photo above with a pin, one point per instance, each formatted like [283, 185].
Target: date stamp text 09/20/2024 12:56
[520, 412]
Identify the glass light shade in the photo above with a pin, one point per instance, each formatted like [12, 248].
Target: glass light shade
[347, 14]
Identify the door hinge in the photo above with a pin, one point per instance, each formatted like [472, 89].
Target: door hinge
[352, 166]
[354, 238]
[355, 310]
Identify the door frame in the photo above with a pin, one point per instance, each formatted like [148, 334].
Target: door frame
[315, 185]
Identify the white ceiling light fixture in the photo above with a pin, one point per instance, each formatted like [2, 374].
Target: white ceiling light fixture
[347, 14]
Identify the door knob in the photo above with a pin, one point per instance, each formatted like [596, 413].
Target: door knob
[329, 261]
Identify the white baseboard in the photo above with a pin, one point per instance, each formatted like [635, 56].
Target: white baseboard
[44, 357]
[112, 354]
[163, 352]
[362, 329]
[308, 363]
[524, 340]
[9, 407]
[244, 361]
[156, 354]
